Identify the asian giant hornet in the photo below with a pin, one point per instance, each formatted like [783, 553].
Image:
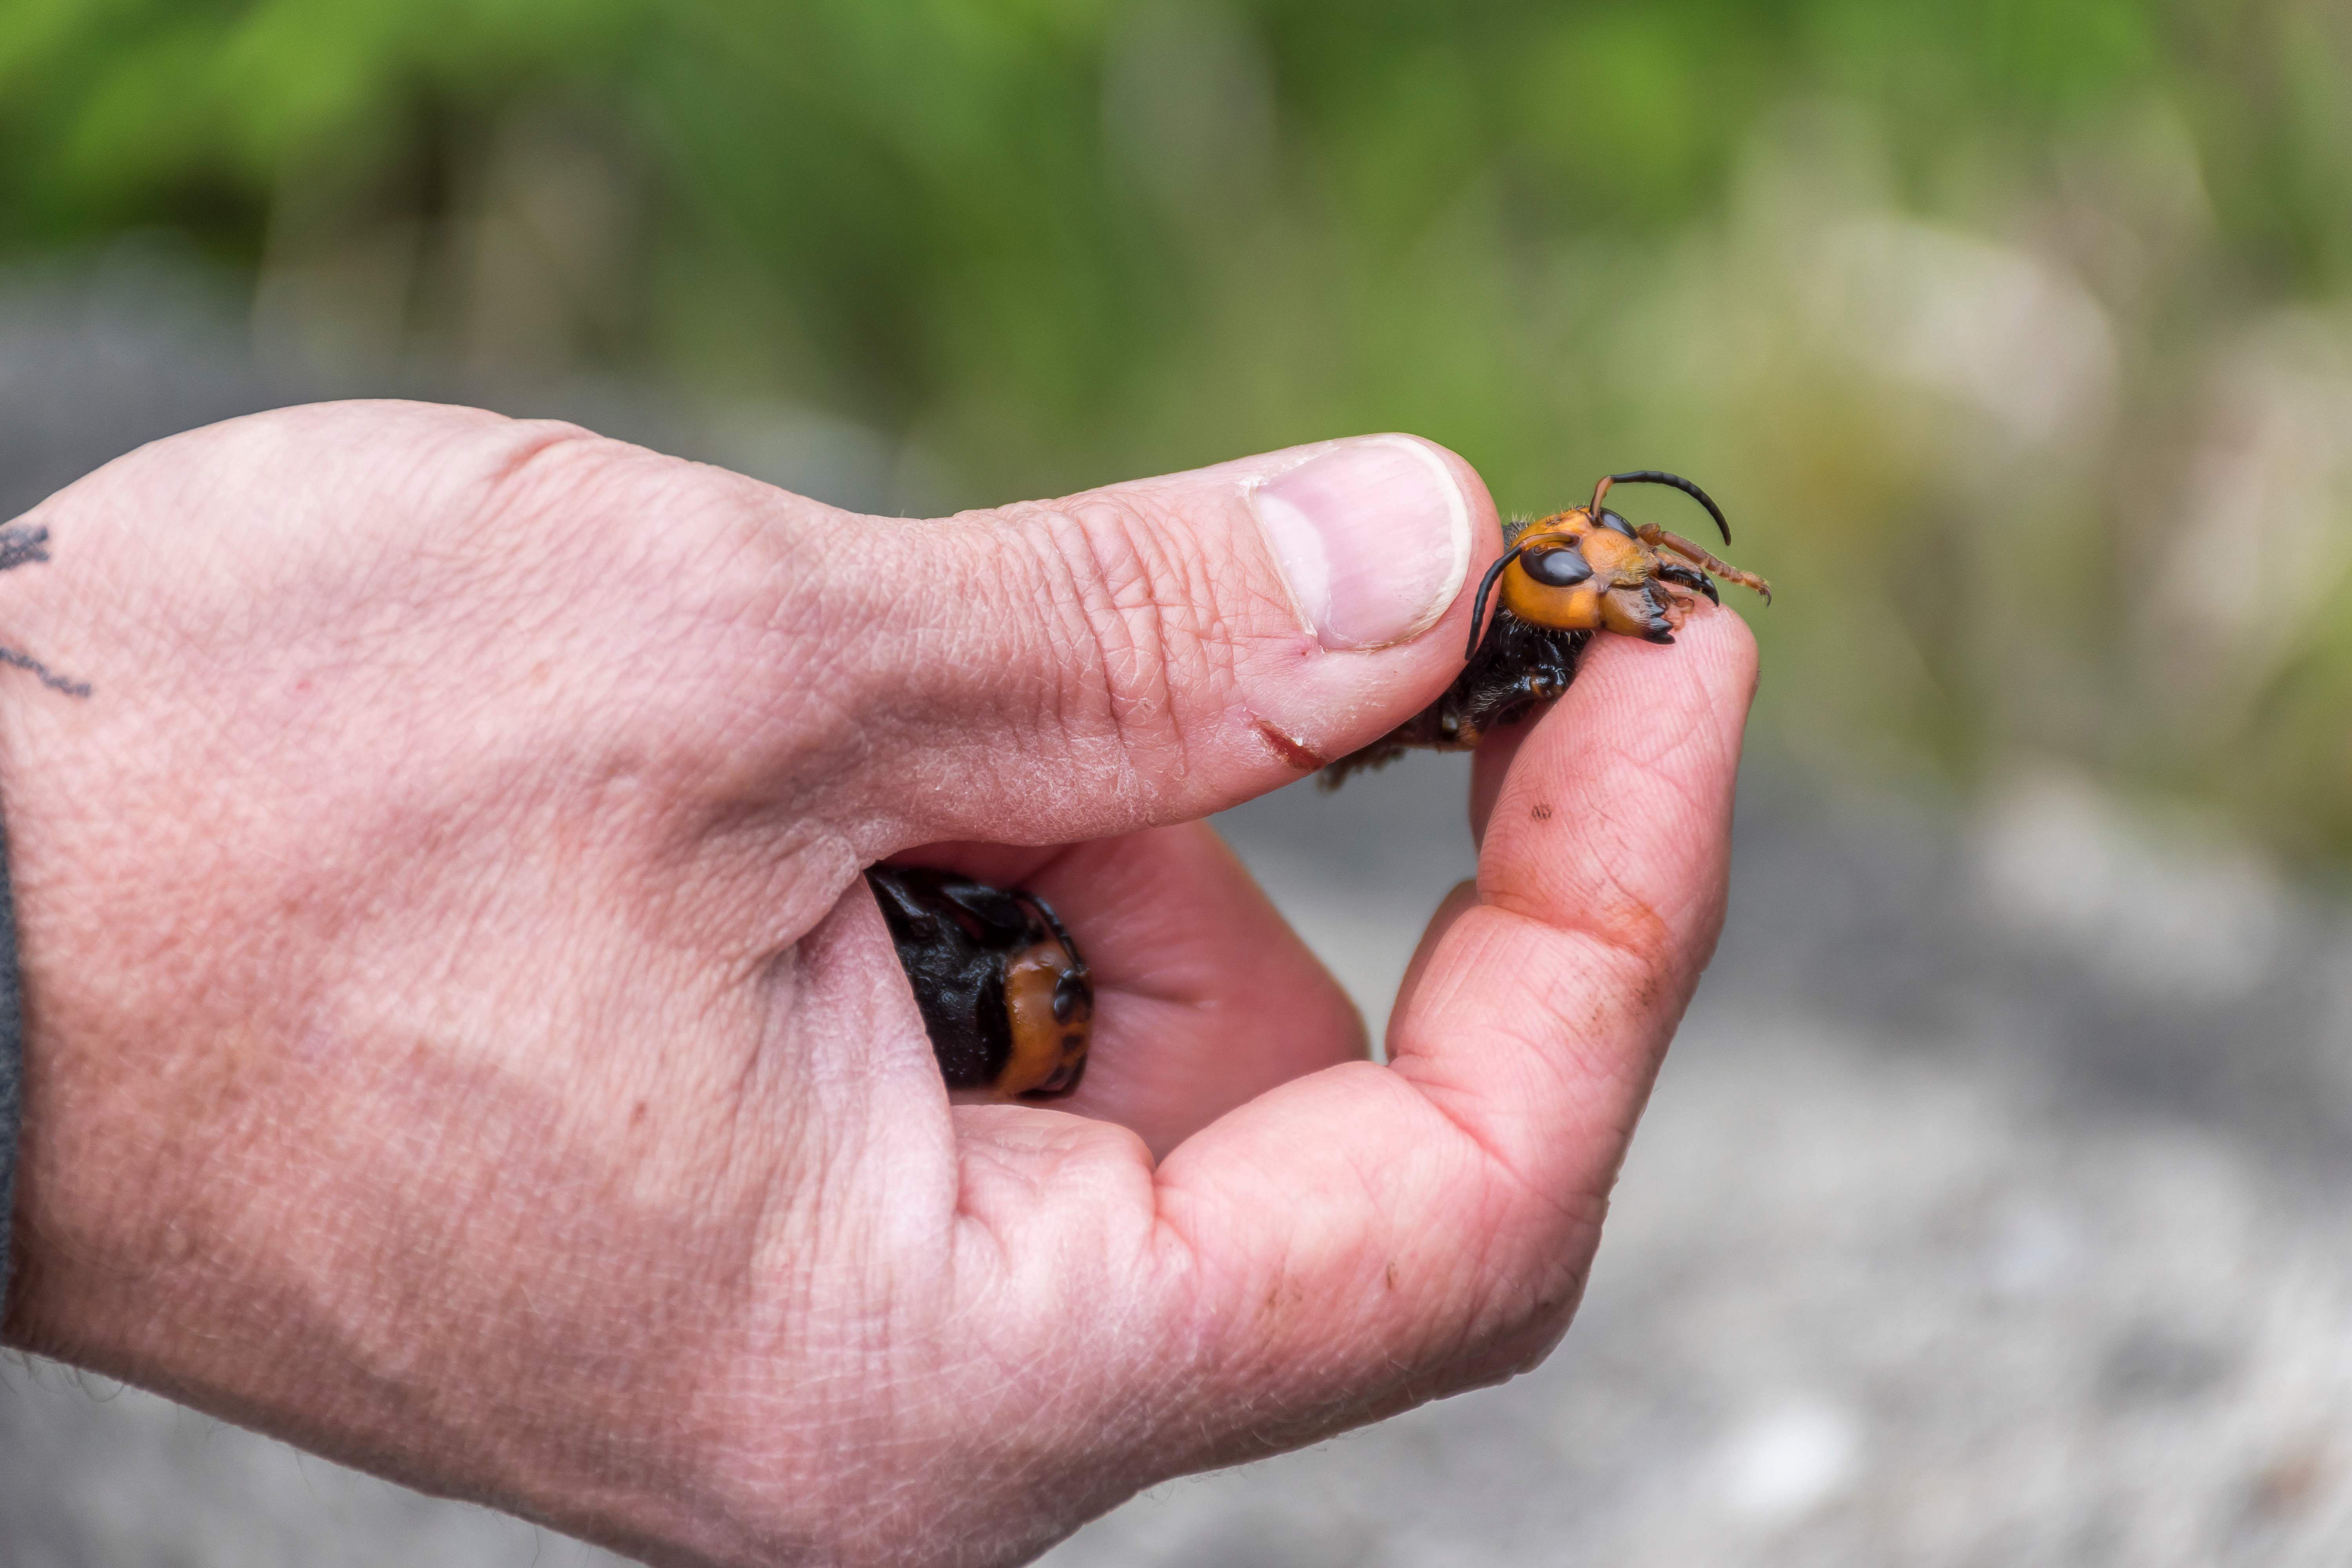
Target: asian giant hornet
[1564, 578]
[1008, 1003]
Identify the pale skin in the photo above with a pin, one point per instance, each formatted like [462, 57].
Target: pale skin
[460, 1041]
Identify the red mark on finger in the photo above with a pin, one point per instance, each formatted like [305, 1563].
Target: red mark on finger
[1302, 757]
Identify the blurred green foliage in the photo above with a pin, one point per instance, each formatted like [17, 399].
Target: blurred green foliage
[2013, 332]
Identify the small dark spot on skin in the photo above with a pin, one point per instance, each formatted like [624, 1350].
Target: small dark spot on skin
[638, 1117]
[1541, 813]
[1391, 1274]
[1301, 757]
[2288, 1485]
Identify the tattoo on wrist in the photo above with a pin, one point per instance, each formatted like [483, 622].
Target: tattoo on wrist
[18, 545]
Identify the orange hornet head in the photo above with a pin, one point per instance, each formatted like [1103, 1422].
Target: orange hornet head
[1590, 570]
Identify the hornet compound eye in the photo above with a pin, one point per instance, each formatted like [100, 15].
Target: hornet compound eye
[1556, 568]
[1005, 995]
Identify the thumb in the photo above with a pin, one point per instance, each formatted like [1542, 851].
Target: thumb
[1154, 651]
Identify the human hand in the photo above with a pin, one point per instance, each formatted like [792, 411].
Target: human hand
[461, 1042]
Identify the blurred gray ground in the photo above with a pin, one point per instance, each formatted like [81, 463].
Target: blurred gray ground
[1988, 1212]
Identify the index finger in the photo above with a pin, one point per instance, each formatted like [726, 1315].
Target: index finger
[1374, 1234]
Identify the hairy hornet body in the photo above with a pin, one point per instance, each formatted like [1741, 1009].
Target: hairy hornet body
[1005, 997]
[1563, 578]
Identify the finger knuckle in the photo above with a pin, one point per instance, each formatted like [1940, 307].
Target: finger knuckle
[1145, 650]
[541, 467]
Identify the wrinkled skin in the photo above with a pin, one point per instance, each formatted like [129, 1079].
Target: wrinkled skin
[461, 1041]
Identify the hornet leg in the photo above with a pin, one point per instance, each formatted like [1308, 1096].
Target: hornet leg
[1658, 538]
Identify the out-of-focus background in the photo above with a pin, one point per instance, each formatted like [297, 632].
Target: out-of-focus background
[1991, 1208]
